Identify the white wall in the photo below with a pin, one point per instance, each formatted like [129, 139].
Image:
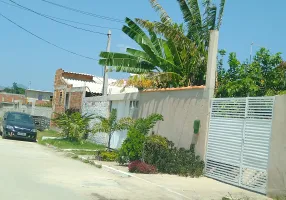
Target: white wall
[96, 106]
[122, 111]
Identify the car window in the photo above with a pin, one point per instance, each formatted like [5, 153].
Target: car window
[18, 117]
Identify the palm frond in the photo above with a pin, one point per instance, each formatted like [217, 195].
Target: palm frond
[192, 24]
[195, 27]
[165, 18]
[221, 12]
[169, 32]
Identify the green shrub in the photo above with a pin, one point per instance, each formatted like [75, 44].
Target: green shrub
[169, 159]
[108, 155]
[74, 125]
[132, 147]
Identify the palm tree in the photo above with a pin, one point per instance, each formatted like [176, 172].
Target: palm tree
[110, 125]
[168, 52]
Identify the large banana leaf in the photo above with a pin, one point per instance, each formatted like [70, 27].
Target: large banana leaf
[125, 62]
[137, 34]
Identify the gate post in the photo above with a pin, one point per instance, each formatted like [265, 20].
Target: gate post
[210, 79]
[212, 63]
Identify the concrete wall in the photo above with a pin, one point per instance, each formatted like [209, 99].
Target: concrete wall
[36, 111]
[97, 106]
[179, 108]
[34, 95]
[277, 156]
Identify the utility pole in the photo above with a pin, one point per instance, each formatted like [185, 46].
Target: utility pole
[105, 76]
[251, 46]
[251, 50]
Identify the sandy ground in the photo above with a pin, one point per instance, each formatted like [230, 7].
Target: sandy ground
[30, 172]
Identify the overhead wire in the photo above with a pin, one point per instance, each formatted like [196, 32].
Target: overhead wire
[45, 16]
[84, 12]
[46, 41]
[67, 20]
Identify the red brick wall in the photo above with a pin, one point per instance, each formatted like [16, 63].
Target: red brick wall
[6, 97]
[42, 102]
[75, 100]
[58, 100]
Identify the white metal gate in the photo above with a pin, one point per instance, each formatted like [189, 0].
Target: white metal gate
[238, 141]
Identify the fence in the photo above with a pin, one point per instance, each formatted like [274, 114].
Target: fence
[96, 106]
[40, 114]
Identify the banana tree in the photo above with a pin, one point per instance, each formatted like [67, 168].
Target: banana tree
[159, 55]
[168, 52]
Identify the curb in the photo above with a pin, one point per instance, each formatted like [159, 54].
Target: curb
[142, 179]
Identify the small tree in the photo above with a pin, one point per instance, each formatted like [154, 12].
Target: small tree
[74, 125]
[110, 125]
[132, 147]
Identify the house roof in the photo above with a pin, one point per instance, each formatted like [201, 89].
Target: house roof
[39, 91]
[93, 83]
[96, 85]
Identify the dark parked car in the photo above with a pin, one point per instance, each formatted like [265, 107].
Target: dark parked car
[18, 125]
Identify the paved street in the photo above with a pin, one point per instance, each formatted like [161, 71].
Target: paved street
[31, 172]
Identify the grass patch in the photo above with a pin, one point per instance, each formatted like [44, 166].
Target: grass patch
[67, 144]
[47, 133]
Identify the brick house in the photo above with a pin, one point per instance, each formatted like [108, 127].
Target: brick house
[11, 98]
[70, 88]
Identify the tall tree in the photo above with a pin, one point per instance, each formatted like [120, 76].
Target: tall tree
[266, 75]
[169, 53]
[15, 89]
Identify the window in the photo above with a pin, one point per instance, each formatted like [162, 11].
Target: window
[40, 97]
[61, 97]
[134, 104]
[110, 106]
[17, 117]
[67, 101]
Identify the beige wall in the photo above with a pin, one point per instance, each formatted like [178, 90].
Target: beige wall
[180, 109]
[277, 156]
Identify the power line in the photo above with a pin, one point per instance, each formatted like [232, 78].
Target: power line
[46, 41]
[45, 16]
[76, 22]
[84, 12]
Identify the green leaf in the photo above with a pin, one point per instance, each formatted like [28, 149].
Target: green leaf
[220, 16]
[165, 18]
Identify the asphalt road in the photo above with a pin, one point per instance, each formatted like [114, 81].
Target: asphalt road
[29, 171]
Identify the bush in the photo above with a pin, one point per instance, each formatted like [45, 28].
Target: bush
[108, 155]
[74, 125]
[160, 152]
[132, 147]
[141, 167]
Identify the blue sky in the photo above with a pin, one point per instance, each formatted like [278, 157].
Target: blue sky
[24, 58]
